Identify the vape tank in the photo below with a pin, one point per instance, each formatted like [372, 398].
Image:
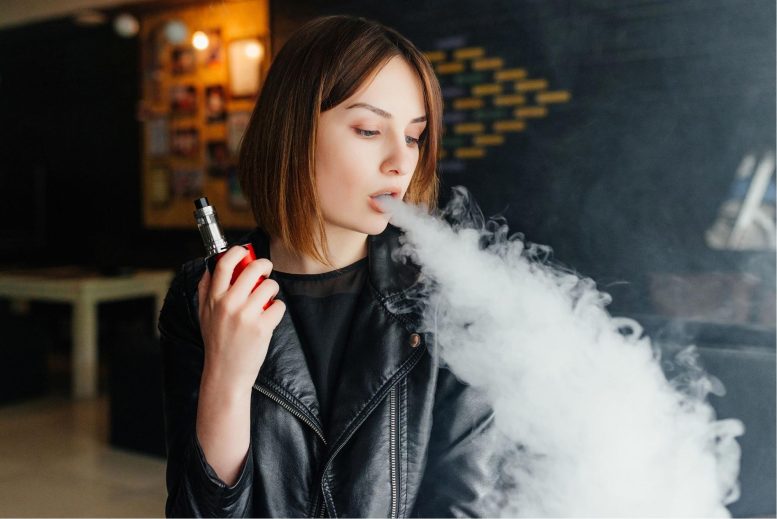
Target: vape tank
[215, 243]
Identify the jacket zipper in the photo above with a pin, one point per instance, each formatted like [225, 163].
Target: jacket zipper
[290, 408]
[392, 456]
[318, 510]
[357, 425]
[393, 462]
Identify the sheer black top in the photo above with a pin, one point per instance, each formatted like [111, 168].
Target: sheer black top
[321, 306]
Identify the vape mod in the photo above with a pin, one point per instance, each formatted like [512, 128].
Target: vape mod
[215, 243]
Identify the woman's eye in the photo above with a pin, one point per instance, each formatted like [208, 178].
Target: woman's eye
[412, 140]
[366, 133]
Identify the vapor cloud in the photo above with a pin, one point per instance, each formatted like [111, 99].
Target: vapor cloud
[591, 426]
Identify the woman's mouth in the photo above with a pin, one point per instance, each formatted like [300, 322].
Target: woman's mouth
[378, 202]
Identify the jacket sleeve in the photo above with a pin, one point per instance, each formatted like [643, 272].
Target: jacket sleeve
[458, 475]
[193, 488]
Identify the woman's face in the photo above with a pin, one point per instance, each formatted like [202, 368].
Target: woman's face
[368, 145]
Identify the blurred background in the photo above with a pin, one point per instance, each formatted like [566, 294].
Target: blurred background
[634, 137]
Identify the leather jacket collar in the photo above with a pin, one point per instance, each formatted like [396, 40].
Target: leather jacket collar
[405, 437]
[389, 278]
[379, 356]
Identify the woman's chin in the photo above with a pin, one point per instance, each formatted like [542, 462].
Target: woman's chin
[378, 228]
[374, 225]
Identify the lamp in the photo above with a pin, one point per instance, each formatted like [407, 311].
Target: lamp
[200, 40]
[244, 55]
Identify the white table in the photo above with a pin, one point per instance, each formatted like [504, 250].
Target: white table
[84, 290]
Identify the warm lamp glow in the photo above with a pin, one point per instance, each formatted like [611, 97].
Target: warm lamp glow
[253, 50]
[200, 40]
[245, 57]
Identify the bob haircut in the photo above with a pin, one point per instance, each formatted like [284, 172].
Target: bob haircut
[321, 65]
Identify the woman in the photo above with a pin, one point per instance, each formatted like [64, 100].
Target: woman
[333, 405]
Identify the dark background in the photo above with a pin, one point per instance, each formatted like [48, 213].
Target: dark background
[622, 182]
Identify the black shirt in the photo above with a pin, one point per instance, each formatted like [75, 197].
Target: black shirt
[321, 306]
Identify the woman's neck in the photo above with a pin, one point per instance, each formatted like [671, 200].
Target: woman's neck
[345, 248]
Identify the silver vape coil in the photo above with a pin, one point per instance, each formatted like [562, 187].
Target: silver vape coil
[208, 224]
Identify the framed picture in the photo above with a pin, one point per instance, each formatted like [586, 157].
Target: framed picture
[215, 104]
[186, 142]
[183, 100]
[182, 61]
[213, 55]
[159, 186]
[187, 183]
[158, 132]
[155, 84]
[245, 60]
[237, 122]
[217, 158]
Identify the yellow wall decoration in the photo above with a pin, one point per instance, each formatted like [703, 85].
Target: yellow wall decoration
[192, 116]
[491, 100]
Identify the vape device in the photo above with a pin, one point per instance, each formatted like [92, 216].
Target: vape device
[215, 243]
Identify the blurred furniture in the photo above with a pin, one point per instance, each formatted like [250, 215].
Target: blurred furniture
[84, 289]
[748, 374]
[23, 365]
[135, 390]
[743, 359]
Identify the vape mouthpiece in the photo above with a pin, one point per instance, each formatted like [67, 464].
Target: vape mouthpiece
[208, 224]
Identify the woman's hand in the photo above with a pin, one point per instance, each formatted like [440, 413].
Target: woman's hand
[235, 330]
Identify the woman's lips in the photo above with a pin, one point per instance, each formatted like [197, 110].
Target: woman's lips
[375, 202]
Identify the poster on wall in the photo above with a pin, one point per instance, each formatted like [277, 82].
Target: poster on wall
[213, 56]
[182, 61]
[215, 104]
[183, 100]
[186, 142]
[187, 182]
[158, 137]
[217, 159]
[159, 186]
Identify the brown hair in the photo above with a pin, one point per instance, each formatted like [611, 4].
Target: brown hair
[320, 66]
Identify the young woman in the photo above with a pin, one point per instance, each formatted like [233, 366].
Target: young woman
[327, 403]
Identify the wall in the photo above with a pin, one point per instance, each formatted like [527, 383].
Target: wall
[70, 149]
[624, 180]
[191, 139]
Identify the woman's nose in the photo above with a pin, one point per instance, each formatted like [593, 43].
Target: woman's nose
[400, 158]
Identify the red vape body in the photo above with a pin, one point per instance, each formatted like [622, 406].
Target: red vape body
[248, 258]
[216, 244]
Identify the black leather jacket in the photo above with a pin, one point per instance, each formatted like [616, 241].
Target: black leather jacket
[409, 438]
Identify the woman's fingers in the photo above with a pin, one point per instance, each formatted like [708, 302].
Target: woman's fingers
[247, 279]
[261, 296]
[225, 266]
[274, 313]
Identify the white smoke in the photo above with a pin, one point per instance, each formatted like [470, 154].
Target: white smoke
[591, 425]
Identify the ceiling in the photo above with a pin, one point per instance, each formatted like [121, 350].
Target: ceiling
[21, 12]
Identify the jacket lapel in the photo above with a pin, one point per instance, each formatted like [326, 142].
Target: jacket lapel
[285, 369]
[378, 350]
[377, 353]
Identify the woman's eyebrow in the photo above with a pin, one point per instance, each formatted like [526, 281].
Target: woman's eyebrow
[382, 113]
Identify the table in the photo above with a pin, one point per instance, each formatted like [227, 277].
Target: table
[84, 289]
